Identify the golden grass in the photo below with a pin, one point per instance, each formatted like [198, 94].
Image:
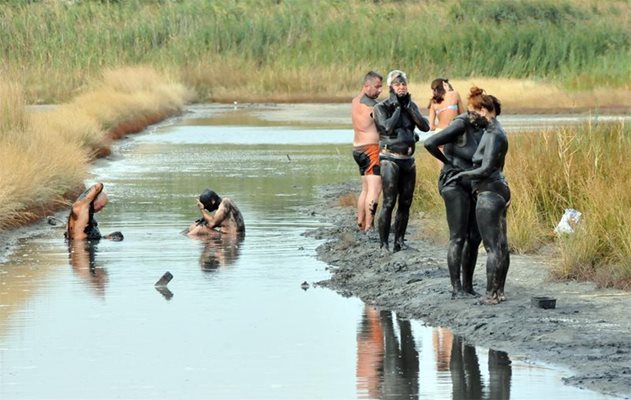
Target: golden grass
[44, 155]
[527, 95]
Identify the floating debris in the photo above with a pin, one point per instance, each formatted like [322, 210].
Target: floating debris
[304, 285]
[166, 278]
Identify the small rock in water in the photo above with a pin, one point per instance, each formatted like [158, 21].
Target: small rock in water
[166, 278]
[304, 285]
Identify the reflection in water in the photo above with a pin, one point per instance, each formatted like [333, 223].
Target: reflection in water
[387, 363]
[461, 360]
[82, 256]
[219, 250]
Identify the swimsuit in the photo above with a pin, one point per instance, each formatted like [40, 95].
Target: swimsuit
[449, 107]
[367, 158]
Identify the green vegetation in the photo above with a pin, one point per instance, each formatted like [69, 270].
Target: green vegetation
[299, 50]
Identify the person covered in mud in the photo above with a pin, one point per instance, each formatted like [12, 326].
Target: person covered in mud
[396, 119]
[459, 142]
[218, 215]
[366, 149]
[81, 224]
[490, 189]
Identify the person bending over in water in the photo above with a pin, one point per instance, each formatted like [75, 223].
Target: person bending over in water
[458, 142]
[366, 149]
[81, 223]
[396, 118]
[218, 215]
[491, 190]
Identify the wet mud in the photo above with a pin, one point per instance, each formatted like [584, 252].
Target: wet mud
[588, 332]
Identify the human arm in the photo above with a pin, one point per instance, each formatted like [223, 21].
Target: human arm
[217, 218]
[448, 135]
[87, 197]
[493, 148]
[432, 118]
[415, 114]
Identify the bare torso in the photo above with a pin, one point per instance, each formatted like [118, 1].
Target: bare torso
[363, 124]
[227, 219]
[446, 111]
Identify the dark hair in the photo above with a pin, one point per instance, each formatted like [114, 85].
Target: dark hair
[372, 75]
[210, 200]
[438, 90]
[479, 99]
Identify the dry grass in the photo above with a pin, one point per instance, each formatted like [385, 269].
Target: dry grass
[44, 155]
[526, 95]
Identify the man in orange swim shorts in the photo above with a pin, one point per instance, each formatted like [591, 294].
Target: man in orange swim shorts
[366, 149]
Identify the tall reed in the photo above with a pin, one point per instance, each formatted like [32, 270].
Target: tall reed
[254, 49]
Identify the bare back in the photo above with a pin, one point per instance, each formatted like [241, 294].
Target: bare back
[80, 223]
[446, 110]
[363, 124]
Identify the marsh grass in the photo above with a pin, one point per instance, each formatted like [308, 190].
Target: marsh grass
[44, 155]
[254, 50]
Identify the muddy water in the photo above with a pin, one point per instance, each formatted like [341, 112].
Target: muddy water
[234, 323]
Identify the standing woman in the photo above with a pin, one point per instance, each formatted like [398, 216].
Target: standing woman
[490, 189]
[444, 105]
[459, 142]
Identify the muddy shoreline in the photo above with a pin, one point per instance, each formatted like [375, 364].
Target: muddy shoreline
[587, 332]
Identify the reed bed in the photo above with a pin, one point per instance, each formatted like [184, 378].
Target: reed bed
[44, 155]
[252, 50]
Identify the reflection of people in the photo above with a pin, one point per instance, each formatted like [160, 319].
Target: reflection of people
[387, 367]
[465, 371]
[459, 141]
[81, 223]
[444, 105]
[366, 149]
[82, 256]
[491, 190]
[500, 372]
[219, 250]
[218, 215]
[396, 119]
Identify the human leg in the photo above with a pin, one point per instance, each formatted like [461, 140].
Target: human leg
[470, 250]
[371, 200]
[457, 205]
[406, 185]
[389, 179]
[361, 205]
[489, 210]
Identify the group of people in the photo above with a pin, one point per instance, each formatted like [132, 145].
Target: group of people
[218, 216]
[471, 146]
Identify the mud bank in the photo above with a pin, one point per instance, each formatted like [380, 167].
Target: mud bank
[588, 332]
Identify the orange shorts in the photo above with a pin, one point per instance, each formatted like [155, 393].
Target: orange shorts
[367, 158]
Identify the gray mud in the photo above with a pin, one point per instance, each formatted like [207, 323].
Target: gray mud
[589, 331]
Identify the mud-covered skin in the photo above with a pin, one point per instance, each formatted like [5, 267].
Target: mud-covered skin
[460, 141]
[396, 118]
[226, 219]
[493, 198]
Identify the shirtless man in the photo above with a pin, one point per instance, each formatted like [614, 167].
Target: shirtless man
[218, 215]
[366, 149]
[81, 223]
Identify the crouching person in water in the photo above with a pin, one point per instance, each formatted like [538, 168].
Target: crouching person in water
[81, 224]
[218, 215]
[396, 118]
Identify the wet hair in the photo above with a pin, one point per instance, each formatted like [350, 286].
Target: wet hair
[372, 75]
[396, 74]
[210, 200]
[479, 99]
[438, 91]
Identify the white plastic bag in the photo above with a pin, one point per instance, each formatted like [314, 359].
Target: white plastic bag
[569, 220]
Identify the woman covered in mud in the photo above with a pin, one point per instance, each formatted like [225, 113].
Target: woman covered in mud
[490, 189]
[459, 142]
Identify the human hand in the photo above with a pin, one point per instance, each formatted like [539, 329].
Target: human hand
[200, 205]
[454, 178]
[393, 100]
[405, 101]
